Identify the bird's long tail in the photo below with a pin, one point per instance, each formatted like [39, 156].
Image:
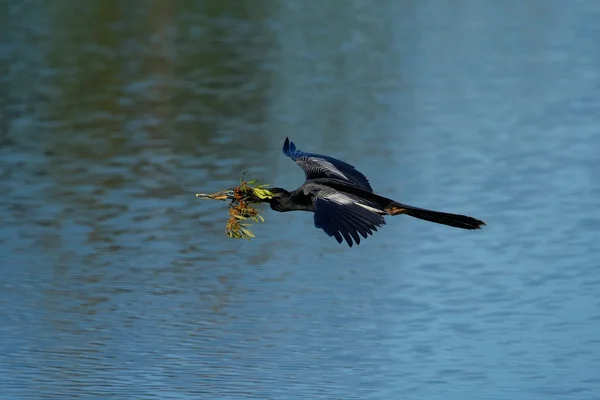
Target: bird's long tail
[455, 220]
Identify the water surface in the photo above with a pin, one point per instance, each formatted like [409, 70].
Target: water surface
[117, 282]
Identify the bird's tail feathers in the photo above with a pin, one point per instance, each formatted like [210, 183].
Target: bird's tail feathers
[455, 220]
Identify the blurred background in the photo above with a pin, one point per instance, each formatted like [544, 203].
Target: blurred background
[118, 283]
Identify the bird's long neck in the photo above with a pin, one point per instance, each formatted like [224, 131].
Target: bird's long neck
[283, 200]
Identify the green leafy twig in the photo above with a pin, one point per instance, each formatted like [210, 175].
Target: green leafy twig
[240, 209]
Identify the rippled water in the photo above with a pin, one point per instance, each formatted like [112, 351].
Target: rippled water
[117, 282]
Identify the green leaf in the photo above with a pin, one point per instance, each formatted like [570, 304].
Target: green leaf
[263, 193]
[252, 182]
[248, 232]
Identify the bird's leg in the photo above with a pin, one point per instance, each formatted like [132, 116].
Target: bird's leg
[395, 210]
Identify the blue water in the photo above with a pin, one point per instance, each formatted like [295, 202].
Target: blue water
[118, 283]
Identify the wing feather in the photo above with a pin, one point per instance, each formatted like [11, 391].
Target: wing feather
[340, 216]
[363, 227]
[348, 231]
[319, 166]
[325, 223]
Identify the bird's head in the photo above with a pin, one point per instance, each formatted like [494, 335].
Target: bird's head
[251, 196]
[225, 195]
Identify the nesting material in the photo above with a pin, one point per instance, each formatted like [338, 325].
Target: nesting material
[241, 212]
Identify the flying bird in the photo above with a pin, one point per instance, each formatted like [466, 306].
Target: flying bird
[342, 199]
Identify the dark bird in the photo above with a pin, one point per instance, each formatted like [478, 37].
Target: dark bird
[342, 199]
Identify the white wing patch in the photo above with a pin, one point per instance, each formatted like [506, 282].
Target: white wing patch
[341, 198]
[372, 209]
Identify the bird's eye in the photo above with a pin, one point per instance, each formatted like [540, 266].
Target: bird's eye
[230, 193]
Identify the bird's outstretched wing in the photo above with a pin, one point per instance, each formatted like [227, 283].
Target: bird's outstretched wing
[320, 166]
[345, 217]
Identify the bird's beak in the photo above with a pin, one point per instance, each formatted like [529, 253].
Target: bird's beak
[222, 195]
